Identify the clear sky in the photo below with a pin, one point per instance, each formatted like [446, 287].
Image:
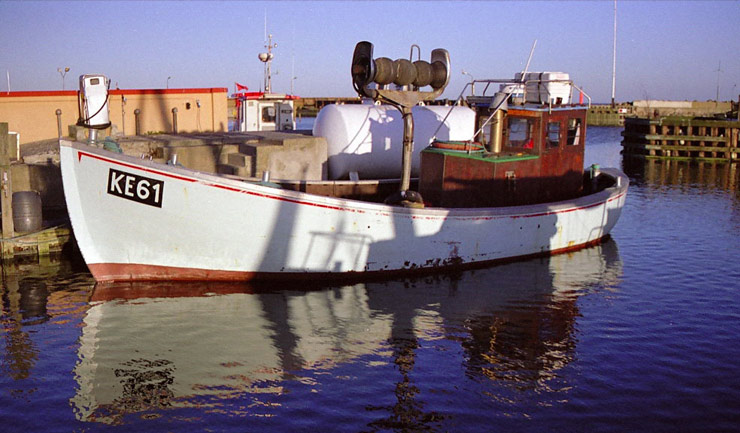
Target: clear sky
[665, 49]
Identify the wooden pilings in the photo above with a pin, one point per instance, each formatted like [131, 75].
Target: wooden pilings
[683, 138]
[18, 245]
[6, 188]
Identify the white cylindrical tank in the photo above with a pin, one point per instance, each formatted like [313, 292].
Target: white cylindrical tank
[368, 138]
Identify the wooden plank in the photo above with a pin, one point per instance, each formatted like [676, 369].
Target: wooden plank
[681, 121]
[681, 147]
[684, 159]
[652, 137]
[6, 191]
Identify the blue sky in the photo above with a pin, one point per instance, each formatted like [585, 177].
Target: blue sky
[665, 49]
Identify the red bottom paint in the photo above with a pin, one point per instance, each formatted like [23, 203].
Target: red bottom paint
[117, 272]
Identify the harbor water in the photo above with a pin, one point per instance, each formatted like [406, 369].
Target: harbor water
[638, 334]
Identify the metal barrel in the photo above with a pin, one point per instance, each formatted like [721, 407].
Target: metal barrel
[26, 211]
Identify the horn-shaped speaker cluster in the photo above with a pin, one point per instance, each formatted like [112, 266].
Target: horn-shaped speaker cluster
[402, 72]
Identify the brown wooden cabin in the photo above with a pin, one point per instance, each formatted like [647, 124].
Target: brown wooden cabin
[534, 156]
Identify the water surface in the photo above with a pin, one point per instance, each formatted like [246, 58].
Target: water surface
[637, 334]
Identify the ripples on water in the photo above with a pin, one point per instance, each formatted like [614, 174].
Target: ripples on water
[638, 334]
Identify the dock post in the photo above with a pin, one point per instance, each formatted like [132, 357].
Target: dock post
[174, 120]
[59, 122]
[137, 121]
[6, 192]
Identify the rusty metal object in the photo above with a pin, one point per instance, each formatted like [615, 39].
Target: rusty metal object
[383, 71]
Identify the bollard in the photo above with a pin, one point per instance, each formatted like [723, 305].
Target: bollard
[174, 120]
[136, 120]
[123, 115]
[59, 122]
[594, 173]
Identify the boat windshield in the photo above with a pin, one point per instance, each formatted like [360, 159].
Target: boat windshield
[520, 133]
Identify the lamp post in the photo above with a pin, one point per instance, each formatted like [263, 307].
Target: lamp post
[472, 80]
[63, 73]
[168, 82]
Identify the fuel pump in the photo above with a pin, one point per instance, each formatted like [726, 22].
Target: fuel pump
[92, 100]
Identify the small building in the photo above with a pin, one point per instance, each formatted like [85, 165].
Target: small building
[33, 115]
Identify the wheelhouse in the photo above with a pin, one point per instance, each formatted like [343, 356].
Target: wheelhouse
[525, 151]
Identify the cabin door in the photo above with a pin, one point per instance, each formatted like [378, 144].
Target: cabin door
[285, 116]
[267, 116]
[562, 154]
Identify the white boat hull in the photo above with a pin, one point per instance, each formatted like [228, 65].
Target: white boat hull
[138, 220]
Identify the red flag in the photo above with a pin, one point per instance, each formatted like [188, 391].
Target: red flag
[240, 87]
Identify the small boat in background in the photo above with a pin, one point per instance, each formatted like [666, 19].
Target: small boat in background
[517, 190]
[264, 110]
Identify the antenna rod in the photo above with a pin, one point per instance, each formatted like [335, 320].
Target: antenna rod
[719, 69]
[614, 55]
[531, 52]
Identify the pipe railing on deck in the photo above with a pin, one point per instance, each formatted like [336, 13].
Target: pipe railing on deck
[523, 85]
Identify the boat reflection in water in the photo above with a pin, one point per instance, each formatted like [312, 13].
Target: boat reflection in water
[152, 347]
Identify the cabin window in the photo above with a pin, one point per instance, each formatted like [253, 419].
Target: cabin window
[520, 133]
[574, 132]
[553, 134]
[268, 114]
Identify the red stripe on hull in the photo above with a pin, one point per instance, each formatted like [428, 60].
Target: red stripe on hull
[301, 202]
[80, 154]
[117, 272]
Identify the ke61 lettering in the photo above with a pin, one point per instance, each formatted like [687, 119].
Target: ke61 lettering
[136, 188]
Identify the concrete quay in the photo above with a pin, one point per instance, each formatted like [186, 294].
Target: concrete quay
[606, 115]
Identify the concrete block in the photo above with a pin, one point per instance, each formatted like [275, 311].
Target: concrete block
[44, 178]
[240, 160]
[288, 156]
[77, 132]
[225, 169]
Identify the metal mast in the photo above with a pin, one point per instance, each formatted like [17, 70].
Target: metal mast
[719, 69]
[267, 59]
[614, 55]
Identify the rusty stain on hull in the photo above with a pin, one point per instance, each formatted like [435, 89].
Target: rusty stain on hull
[115, 272]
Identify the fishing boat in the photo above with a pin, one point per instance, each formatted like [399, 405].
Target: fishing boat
[517, 189]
